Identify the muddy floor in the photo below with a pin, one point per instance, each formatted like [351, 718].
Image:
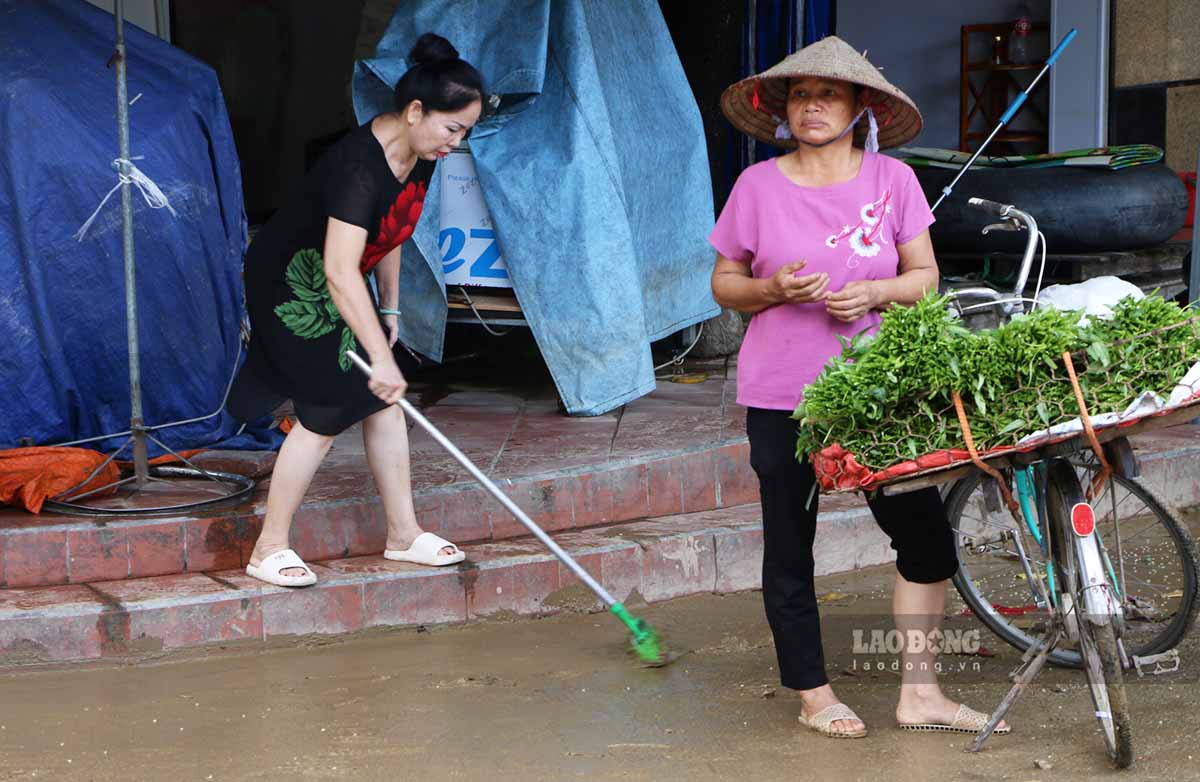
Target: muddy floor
[558, 699]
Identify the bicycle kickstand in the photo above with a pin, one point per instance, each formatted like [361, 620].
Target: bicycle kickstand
[1032, 662]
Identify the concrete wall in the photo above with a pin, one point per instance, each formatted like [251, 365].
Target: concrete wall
[1183, 127]
[1079, 81]
[1157, 42]
[150, 15]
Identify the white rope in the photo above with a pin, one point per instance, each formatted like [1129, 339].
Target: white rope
[1037, 291]
[1005, 300]
[872, 143]
[220, 407]
[679, 359]
[482, 321]
[154, 197]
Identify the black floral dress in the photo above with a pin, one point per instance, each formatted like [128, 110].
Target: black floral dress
[298, 339]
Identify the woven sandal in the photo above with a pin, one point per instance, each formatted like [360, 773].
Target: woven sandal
[966, 720]
[822, 722]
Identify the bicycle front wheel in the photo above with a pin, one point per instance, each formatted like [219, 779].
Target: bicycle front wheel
[1102, 664]
[1154, 566]
[1097, 638]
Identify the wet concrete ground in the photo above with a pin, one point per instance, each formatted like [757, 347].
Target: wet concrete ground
[558, 699]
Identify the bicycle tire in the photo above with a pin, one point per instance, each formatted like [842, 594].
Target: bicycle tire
[1097, 639]
[1174, 632]
[1106, 676]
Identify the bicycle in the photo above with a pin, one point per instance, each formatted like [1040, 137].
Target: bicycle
[1055, 573]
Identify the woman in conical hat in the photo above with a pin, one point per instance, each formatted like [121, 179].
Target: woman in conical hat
[815, 243]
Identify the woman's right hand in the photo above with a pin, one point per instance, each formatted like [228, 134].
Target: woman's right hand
[386, 382]
[785, 286]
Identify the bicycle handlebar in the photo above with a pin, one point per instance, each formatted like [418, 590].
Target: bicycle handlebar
[1025, 220]
[994, 208]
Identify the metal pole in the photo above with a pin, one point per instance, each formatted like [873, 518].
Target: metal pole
[1193, 280]
[162, 19]
[494, 490]
[503, 499]
[136, 424]
[1012, 110]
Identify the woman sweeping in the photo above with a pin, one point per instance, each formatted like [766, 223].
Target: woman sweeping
[309, 302]
[814, 243]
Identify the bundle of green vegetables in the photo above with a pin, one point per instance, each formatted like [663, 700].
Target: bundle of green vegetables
[888, 397]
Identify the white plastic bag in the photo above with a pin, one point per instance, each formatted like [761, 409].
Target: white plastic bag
[1095, 297]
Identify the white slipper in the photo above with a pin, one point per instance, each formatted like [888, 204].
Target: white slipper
[426, 550]
[271, 570]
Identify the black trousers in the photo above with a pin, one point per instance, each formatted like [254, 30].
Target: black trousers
[916, 522]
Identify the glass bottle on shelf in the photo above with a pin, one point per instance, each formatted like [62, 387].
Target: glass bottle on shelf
[998, 50]
[1019, 45]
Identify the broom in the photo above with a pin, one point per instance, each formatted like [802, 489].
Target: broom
[643, 641]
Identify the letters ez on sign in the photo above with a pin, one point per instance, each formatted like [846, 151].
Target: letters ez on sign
[467, 242]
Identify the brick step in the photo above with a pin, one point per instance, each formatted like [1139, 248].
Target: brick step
[659, 559]
[651, 560]
[334, 524]
[342, 517]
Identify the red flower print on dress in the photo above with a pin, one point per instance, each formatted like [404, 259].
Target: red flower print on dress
[397, 225]
[866, 237]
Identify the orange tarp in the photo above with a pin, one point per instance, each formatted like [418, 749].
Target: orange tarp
[29, 476]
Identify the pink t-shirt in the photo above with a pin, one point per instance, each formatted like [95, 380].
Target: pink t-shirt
[849, 230]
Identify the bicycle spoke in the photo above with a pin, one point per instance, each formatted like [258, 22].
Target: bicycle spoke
[1153, 562]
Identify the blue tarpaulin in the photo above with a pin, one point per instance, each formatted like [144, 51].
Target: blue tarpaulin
[594, 170]
[64, 366]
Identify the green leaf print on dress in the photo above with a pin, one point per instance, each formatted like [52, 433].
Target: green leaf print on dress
[312, 314]
[305, 319]
[348, 343]
[306, 276]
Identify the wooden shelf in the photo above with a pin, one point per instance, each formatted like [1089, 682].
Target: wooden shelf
[987, 66]
[984, 98]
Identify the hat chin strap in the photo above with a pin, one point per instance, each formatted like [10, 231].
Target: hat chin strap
[784, 132]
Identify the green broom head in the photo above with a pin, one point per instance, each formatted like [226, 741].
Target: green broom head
[643, 641]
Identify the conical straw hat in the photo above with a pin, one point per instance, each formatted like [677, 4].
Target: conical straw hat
[830, 58]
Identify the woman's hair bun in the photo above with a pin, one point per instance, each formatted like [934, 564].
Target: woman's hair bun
[437, 77]
[431, 49]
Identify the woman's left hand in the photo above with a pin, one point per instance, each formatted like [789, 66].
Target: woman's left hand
[391, 324]
[852, 302]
